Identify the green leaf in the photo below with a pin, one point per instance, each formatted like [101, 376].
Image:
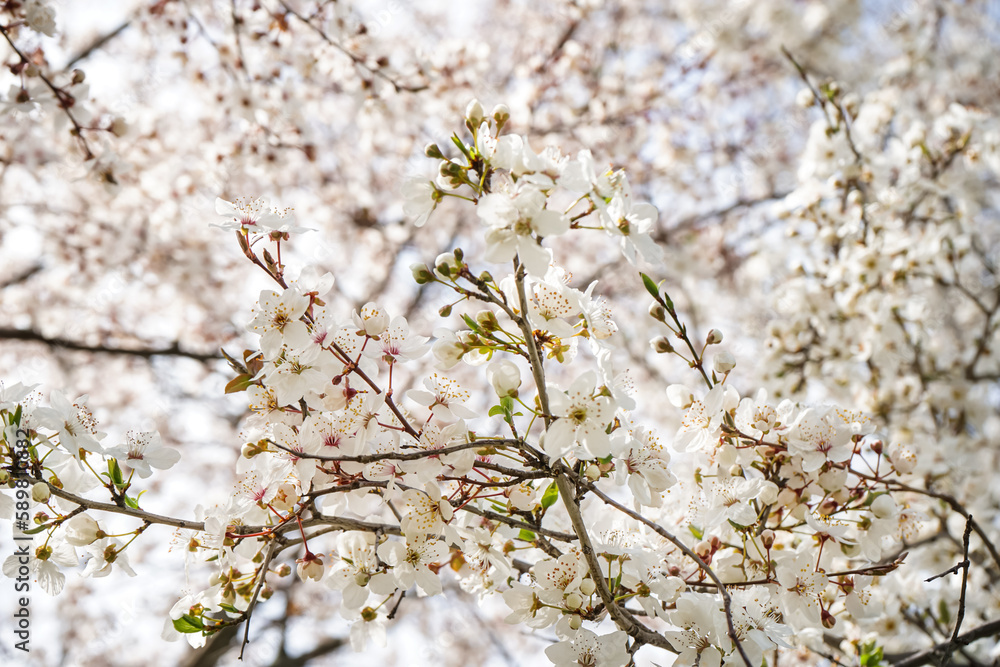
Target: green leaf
[36, 530]
[944, 614]
[461, 146]
[871, 655]
[651, 287]
[188, 624]
[115, 473]
[696, 531]
[238, 384]
[230, 608]
[471, 323]
[16, 419]
[496, 410]
[526, 535]
[550, 496]
[131, 502]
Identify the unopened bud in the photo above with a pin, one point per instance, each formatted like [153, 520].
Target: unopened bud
[573, 601]
[487, 321]
[40, 492]
[78, 76]
[767, 538]
[827, 507]
[657, 312]
[432, 151]
[575, 622]
[421, 274]
[587, 587]
[724, 362]
[714, 337]
[593, 473]
[501, 114]
[828, 619]
[475, 112]
[661, 345]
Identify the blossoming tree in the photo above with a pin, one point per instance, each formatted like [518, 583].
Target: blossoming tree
[512, 442]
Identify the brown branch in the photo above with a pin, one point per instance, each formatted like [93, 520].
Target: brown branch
[928, 656]
[396, 456]
[357, 60]
[173, 350]
[63, 98]
[97, 44]
[727, 601]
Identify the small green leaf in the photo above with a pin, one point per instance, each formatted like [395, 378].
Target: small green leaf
[238, 384]
[188, 624]
[230, 608]
[526, 535]
[871, 655]
[37, 529]
[131, 502]
[550, 496]
[461, 146]
[696, 531]
[471, 323]
[496, 410]
[16, 419]
[115, 473]
[650, 286]
[944, 614]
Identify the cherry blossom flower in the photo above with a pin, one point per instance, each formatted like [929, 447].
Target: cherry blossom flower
[800, 587]
[278, 321]
[248, 214]
[104, 554]
[702, 423]
[581, 418]
[44, 563]
[526, 607]
[299, 371]
[587, 648]
[516, 221]
[411, 562]
[421, 199]
[424, 512]
[358, 571]
[633, 224]
[702, 636]
[396, 344]
[74, 423]
[646, 465]
[144, 451]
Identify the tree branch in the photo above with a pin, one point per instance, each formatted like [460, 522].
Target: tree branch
[173, 351]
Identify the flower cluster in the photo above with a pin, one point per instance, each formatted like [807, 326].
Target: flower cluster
[552, 493]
